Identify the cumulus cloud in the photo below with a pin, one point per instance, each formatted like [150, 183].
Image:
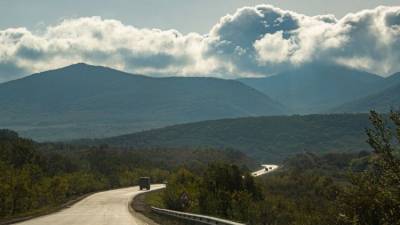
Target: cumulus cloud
[254, 41]
[274, 49]
[104, 42]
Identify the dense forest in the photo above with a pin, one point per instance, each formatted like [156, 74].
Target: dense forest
[268, 139]
[36, 177]
[310, 189]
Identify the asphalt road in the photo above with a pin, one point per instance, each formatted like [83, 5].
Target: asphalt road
[103, 208]
[106, 208]
[266, 169]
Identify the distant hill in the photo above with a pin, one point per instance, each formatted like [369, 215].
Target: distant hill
[317, 88]
[267, 139]
[393, 79]
[90, 101]
[382, 101]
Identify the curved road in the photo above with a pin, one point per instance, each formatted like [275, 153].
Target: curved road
[266, 169]
[106, 208]
[103, 208]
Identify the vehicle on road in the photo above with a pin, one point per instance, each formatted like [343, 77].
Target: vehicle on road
[265, 170]
[144, 183]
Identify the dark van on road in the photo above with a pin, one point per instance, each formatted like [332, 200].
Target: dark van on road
[144, 183]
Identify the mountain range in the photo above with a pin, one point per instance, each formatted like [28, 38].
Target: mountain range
[91, 101]
[382, 101]
[323, 88]
[85, 101]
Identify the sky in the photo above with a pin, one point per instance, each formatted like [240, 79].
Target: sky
[182, 15]
[220, 38]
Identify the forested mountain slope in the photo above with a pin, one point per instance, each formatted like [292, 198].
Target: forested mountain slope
[267, 139]
[317, 88]
[90, 101]
[383, 101]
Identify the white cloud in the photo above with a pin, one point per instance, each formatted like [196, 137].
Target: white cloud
[105, 42]
[273, 48]
[275, 39]
[253, 41]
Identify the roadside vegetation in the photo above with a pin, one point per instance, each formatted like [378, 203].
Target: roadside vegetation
[337, 188]
[36, 178]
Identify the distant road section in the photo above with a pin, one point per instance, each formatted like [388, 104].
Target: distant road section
[103, 208]
[266, 169]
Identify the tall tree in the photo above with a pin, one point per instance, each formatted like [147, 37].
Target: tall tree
[374, 195]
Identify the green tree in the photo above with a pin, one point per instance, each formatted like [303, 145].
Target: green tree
[225, 190]
[374, 196]
[181, 192]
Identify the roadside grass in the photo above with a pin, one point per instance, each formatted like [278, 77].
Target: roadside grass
[154, 198]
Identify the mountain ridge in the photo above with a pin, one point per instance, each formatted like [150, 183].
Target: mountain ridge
[81, 95]
[383, 101]
[271, 138]
[317, 88]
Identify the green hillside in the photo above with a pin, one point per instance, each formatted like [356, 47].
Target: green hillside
[383, 101]
[317, 88]
[91, 101]
[267, 139]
